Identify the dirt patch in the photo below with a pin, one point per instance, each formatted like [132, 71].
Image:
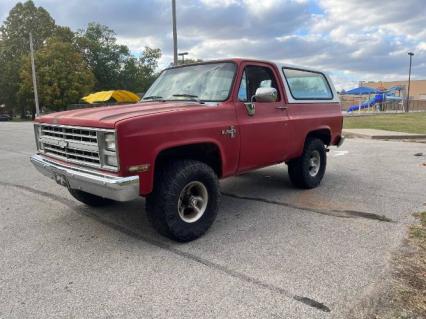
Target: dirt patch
[406, 296]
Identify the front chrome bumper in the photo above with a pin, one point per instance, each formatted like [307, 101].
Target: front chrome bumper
[117, 188]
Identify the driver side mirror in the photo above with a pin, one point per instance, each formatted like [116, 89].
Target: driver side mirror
[262, 95]
[266, 95]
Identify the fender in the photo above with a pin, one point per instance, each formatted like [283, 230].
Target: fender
[301, 143]
[147, 178]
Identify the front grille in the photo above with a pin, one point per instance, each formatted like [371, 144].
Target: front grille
[70, 144]
[70, 133]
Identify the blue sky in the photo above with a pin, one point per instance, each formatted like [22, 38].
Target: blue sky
[352, 39]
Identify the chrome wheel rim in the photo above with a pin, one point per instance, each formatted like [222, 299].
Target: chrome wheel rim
[314, 163]
[192, 202]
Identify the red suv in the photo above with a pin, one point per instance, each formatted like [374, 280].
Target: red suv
[196, 124]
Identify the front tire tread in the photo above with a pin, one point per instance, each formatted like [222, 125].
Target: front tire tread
[161, 204]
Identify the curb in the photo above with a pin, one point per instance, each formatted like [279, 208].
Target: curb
[390, 136]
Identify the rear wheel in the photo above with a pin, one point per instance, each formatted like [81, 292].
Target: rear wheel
[308, 170]
[90, 199]
[184, 202]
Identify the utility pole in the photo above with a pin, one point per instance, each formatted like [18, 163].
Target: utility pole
[175, 54]
[34, 76]
[409, 82]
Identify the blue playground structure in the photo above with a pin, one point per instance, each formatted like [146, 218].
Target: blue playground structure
[380, 96]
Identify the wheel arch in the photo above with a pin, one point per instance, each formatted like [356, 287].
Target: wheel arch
[323, 133]
[207, 152]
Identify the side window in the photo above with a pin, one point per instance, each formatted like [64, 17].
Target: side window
[242, 92]
[307, 85]
[253, 78]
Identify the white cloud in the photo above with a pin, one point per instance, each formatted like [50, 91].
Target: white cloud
[353, 39]
[258, 7]
[219, 3]
[406, 18]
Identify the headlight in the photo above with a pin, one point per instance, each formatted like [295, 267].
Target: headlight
[111, 160]
[109, 140]
[108, 150]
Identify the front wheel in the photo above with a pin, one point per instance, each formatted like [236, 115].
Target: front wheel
[184, 201]
[308, 170]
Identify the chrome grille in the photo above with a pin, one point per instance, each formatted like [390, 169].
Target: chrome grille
[70, 144]
[68, 133]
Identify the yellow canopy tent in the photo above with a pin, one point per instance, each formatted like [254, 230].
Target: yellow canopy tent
[121, 96]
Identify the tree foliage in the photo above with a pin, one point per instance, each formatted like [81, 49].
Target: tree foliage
[68, 64]
[23, 19]
[138, 74]
[62, 74]
[104, 56]
[112, 64]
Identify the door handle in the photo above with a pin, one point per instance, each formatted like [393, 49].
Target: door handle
[284, 107]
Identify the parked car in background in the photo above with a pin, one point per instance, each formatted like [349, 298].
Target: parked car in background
[195, 125]
[5, 117]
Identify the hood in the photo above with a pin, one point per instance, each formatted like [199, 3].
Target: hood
[108, 116]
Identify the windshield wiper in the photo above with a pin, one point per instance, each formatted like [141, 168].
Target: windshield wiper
[191, 96]
[186, 95]
[152, 97]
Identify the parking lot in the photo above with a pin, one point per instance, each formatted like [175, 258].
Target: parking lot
[273, 252]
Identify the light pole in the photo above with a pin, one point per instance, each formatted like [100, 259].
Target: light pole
[175, 55]
[34, 76]
[182, 54]
[409, 82]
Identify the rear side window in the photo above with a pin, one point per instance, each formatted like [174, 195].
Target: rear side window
[307, 85]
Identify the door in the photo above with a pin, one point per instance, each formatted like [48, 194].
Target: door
[264, 135]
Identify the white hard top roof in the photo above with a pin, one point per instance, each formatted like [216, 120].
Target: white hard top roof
[298, 67]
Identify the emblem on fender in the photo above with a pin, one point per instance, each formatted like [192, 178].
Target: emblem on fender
[231, 131]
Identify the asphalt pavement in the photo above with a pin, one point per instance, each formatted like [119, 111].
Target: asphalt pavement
[273, 252]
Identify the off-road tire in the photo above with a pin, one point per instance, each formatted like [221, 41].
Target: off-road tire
[90, 199]
[299, 169]
[162, 204]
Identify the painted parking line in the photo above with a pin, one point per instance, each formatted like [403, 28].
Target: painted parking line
[339, 153]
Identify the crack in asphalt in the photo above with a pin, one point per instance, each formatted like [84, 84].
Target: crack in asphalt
[329, 212]
[212, 265]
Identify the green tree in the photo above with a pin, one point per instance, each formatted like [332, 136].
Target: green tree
[138, 74]
[103, 55]
[112, 64]
[62, 74]
[148, 63]
[2, 72]
[64, 34]
[14, 34]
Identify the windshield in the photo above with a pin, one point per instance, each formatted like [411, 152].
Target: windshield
[205, 82]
